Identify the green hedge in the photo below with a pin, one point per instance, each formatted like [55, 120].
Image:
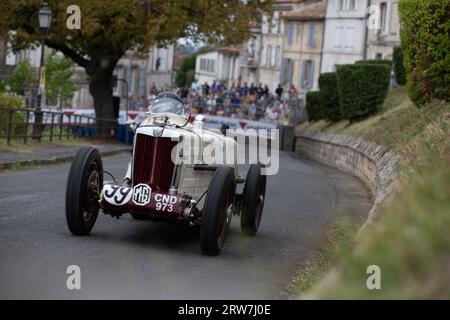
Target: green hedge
[399, 67]
[18, 119]
[362, 88]
[425, 28]
[330, 104]
[313, 105]
[375, 61]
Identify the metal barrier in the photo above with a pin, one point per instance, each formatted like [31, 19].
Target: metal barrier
[24, 124]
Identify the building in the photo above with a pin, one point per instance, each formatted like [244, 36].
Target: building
[345, 33]
[220, 65]
[302, 46]
[136, 73]
[385, 35]
[260, 59]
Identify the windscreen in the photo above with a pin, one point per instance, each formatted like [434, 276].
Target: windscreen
[167, 105]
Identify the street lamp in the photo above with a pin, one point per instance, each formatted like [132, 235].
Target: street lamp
[45, 20]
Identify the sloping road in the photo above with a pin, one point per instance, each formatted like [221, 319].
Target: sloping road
[142, 260]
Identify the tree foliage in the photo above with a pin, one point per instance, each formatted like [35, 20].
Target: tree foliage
[58, 71]
[110, 28]
[425, 29]
[23, 76]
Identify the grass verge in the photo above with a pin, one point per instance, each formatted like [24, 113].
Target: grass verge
[410, 242]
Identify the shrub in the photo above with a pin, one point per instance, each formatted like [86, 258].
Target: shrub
[313, 105]
[375, 61]
[399, 67]
[330, 104]
[425, 25]
[362, 88]
[18, 119]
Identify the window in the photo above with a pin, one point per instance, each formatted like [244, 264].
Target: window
[346, 5]
[277, 56]
[311, 30]
[269, 55]
[379, 56]
[338, 37]
[286, 71]
[383, 16]
[141, 81]
[207, 65]
[290, 33]
[349, 37]
[307, 74]
[352, 4]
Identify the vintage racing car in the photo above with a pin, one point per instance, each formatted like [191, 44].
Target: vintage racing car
[168, 179]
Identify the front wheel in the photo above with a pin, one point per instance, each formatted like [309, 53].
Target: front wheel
[83, 191]
[253, 200]
[217, 210]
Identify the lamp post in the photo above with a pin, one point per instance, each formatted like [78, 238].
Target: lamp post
[45, 20]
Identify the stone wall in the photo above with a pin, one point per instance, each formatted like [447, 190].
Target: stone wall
[371, 163]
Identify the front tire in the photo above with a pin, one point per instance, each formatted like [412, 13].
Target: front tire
[216, 211]
[253, 200]
[83, 191]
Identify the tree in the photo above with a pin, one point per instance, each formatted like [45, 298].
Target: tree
[24, 75]
[110, 28]
[58, 71]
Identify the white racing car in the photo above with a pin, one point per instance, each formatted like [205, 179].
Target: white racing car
[169, 179]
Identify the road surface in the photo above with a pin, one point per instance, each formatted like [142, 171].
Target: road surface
[128, 259]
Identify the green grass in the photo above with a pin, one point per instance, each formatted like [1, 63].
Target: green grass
[410, 242]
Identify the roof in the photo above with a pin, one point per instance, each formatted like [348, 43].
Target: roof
[229, 50]
[308, 12]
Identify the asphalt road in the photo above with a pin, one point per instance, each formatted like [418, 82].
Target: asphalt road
[128, 259]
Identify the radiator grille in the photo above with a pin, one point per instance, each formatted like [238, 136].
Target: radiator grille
[152, 162]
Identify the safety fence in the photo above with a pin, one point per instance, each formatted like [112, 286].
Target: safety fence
[45, 125]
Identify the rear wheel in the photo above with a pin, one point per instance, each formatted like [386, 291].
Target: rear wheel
[217, 210]
[253, 200]
[83, 191]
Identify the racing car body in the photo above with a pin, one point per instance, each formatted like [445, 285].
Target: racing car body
[179, 172]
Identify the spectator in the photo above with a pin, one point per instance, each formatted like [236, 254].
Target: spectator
[214, 87]
[259, 91]
[244, 91]
[206, 88]
[235, 101]
[279, 91]
[195, 85]
[292, 92]
[266, 90]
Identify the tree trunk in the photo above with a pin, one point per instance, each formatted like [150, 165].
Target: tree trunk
[102, 92]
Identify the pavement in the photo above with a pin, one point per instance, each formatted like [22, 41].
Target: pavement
[130, 259]
[53, 154]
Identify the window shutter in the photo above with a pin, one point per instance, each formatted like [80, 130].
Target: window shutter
[291, 66]
[283, 63]
[311, 74]
[302, 74]
[311, 30]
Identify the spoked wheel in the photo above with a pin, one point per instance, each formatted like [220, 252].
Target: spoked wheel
[83, 191]
[217, 210]
[253, 200]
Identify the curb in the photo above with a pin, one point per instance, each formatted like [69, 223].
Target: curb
[53, 160]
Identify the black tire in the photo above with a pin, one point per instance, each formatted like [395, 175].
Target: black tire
[253, 200]
[221, 194]
[82, 199]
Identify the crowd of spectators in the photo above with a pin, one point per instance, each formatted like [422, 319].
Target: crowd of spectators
[241, 101]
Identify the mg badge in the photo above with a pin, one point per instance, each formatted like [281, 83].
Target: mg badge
[142, 194]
